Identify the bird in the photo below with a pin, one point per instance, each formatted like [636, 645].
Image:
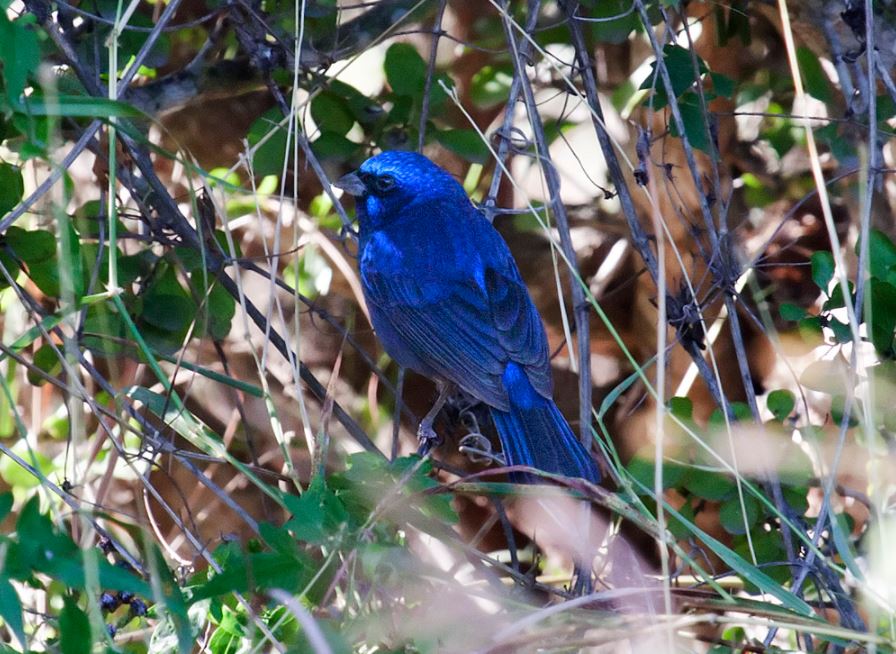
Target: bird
[446, 299]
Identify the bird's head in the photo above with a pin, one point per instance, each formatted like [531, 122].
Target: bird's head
[387, 185]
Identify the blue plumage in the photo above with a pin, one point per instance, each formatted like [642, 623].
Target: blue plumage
[447, 300]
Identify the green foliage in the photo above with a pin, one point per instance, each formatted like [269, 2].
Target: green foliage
[135, 373]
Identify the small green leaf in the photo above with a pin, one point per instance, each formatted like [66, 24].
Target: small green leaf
[268, 139]
[797, 498]
[74, 629]
[78, 106]
[221, 310]
[768, 548]
[781, 403]
[710, 485]
[618, 20]
[881, 310]
[18, 477]
[10, 265]
[694, 121]
[11, 608]
[319, 517]
[47, 360]
[12, 186]
[681, 407]
[741, 411]
[842, 332]
[332, 113]
[676, 524]
[881, 253]
[790, 311]
[6, 501]
[723, 85]
[405, 70]
[169, 312]
[465, 142]
[680, 64]
[19, 52]
[733, 518]
[31, 246]
[822, 269]
[817, 83]
[331, 145]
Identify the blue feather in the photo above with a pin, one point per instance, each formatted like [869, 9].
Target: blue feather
[447, 300]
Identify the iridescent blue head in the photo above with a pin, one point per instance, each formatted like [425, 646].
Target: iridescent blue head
[392, 182]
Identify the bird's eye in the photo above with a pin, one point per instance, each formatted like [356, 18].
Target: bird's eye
[383, 183]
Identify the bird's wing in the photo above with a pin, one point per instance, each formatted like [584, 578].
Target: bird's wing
[465, 333]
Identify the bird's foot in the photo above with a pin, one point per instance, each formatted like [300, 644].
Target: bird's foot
[427, 438]
[479, 450]
[582, 583]
[426, 435]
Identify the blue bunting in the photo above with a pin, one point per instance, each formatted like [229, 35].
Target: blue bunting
[447, 300]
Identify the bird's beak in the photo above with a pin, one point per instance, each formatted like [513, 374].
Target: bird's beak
[351, 184]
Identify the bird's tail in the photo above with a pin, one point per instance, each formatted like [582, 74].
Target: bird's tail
[534, 433]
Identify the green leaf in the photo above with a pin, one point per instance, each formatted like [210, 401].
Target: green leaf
[19, 53]
[332, 113]
[331, 145]
[618, 20]
[17, 476]
[12, 186]
[78, 106]
[768, 548]
[836, 299]
[680, 64]
[268, 139]
[11, 609]
[822, 269]
[676, 523]
[790, 311]
[694, 121]
[681, 407]
[221, 310]
[45, 275]
[817, 83]
[751, 573]
[405, 70]
[257, 571]
[319, 517]
[722, 84]
[643, 469]
[797, 498]
[781, 403]
[741, 411]
[47, 360]
[74, 629]
[169, 312]
[710, 485]
[842, 332]
[881, 310]
[881, 253]
[465, 142]
[733, 519]
[6, 501]
[31, 246]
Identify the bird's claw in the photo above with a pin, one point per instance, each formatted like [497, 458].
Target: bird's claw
[428, 438]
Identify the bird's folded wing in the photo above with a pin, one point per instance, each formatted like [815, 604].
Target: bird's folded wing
[465, 333]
